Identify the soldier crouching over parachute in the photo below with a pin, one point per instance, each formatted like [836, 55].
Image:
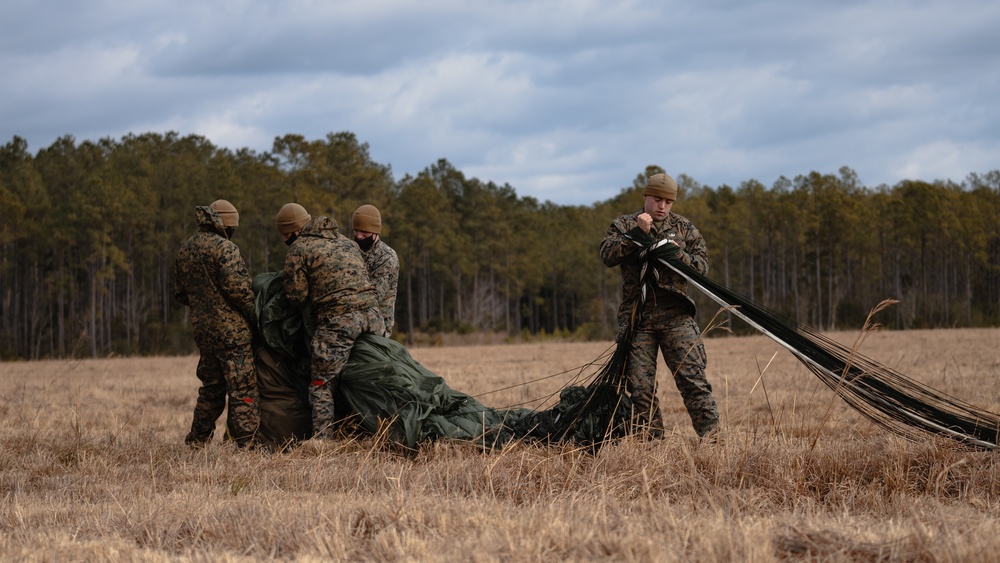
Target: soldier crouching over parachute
[326, 271]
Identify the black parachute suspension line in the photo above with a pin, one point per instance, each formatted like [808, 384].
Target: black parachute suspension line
[607, 388]
[883, 395]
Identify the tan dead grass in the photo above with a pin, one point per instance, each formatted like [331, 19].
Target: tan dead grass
[92, 468]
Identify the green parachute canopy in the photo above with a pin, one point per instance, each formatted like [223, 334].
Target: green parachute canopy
[383, 385]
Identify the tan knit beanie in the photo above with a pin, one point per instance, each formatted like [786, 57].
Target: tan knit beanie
[661, 186]
[230, 217]
[291, 217]
[368, 219]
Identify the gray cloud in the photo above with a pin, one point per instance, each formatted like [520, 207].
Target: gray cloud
[564, 100]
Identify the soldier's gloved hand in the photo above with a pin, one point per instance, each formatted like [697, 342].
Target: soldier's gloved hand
[665, 251]
[640, 236]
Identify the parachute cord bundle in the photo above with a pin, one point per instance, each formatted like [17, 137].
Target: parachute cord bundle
[609, 384]
[883, 395]
[886, 397]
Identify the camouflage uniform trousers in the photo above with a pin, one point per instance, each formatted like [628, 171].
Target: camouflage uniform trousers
[226, 372]
[671, 330]
[331, 348]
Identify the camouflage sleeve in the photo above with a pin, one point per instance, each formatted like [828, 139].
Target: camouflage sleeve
[234, 280]
[296, 283]
[385, 277]
[615, 247]
[179, 293]
[695, 252]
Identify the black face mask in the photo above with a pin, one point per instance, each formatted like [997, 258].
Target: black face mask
[291, 239]
[230, 231]
[365, 243]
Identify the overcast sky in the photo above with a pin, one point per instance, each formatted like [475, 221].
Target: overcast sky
[566, 101]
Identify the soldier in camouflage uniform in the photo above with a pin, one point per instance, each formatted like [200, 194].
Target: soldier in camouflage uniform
[667, 316]
[212, 279]
[326, 271]
[380, 259]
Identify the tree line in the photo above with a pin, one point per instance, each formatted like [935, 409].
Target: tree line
[89, 232]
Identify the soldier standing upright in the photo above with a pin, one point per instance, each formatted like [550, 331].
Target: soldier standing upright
[380, 260]
[325, 270]
[667, 317]
[212, 279]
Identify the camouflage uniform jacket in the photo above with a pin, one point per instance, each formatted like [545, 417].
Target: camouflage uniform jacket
[211, 277]
[383, 270]
[616, 250]
[326, 270]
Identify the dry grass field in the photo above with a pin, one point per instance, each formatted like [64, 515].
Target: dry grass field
[92, 468]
